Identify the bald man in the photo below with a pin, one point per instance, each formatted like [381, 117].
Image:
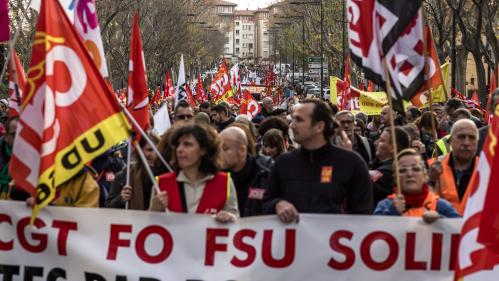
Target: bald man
[450, 174]
[249, 173]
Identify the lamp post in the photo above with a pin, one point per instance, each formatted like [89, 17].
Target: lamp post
[302, 18]
[293, 79]
[322, 36]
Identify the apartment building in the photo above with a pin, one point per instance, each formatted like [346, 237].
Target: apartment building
[226, 13]
[247, 36]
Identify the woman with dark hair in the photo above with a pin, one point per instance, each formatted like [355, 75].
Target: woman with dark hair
[428, 131]
[412, 114]
[197, 185]
[274, 143]
[138, 193]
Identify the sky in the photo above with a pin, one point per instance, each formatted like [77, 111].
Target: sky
[251, 4]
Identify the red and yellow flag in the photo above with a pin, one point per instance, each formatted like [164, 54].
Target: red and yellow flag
[436, 82]
[138, 93]
[17, 83]
[249, 106]
[68, 114]
[220, 87]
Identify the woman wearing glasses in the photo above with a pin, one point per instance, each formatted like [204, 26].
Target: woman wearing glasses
[416, 200]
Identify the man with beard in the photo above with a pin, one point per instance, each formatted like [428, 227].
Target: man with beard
[451, 173]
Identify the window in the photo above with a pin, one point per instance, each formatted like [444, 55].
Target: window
[250, 45]
[237, 41]
[237, 31]
[249, 27]
[237, 23]
[237, 50]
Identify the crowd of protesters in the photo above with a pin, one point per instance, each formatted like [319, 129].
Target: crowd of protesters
[303, 156]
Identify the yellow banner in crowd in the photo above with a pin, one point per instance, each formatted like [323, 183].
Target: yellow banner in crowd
[371, 103]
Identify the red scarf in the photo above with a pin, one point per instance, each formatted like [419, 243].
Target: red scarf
[415, 200]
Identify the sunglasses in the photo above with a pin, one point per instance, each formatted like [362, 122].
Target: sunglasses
[415, 169]
[184, 117]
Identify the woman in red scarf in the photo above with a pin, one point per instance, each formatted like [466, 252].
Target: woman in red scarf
[417, 199]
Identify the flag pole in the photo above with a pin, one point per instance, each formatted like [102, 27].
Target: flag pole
[129, 160]
[13, 43]
[428, 86]
[392, 128]
[428, 78]
[144, 135]
[148, 169]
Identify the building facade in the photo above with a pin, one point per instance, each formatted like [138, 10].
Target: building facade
[246, 31]
[226, 15]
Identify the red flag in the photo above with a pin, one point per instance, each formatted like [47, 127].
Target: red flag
[249, 106]
[190, 98]
[110, 85]
[156, 98]
[138, 93]
[277, 99]
[200, 93]
[169, 90]
[4, 21]
[469, 103]
[17, 84]
[479, 246]
[492, 87]
[474, 97]
[435, 75]
[370, 86]
[362, 87]
[345, 96]
[68, 114]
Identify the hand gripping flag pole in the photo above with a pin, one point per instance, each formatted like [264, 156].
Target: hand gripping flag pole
[144, 135]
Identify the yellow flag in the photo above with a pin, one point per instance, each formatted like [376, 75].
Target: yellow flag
[333, 91]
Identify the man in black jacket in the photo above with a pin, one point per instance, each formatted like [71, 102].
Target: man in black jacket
[360, 144]
[249, 173]
[220, 115]
[318, 177]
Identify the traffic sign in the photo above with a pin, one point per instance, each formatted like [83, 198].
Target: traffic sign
[314, 60]
[316, 65]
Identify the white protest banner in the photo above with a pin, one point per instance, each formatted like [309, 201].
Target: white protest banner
[104, 245]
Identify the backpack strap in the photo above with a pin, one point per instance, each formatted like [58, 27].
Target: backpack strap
[365, 142]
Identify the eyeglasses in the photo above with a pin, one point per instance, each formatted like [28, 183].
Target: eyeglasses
[184, 117]
[346, 122]
[414, 169]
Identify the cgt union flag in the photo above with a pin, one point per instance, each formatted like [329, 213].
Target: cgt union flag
[386, 36]
[68, 117]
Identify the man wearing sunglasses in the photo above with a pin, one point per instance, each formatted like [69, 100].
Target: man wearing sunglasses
[183, 112]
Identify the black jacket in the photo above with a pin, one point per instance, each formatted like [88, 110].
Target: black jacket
[383, 179]
[328, 180]
[251, 184]
[366, 152]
